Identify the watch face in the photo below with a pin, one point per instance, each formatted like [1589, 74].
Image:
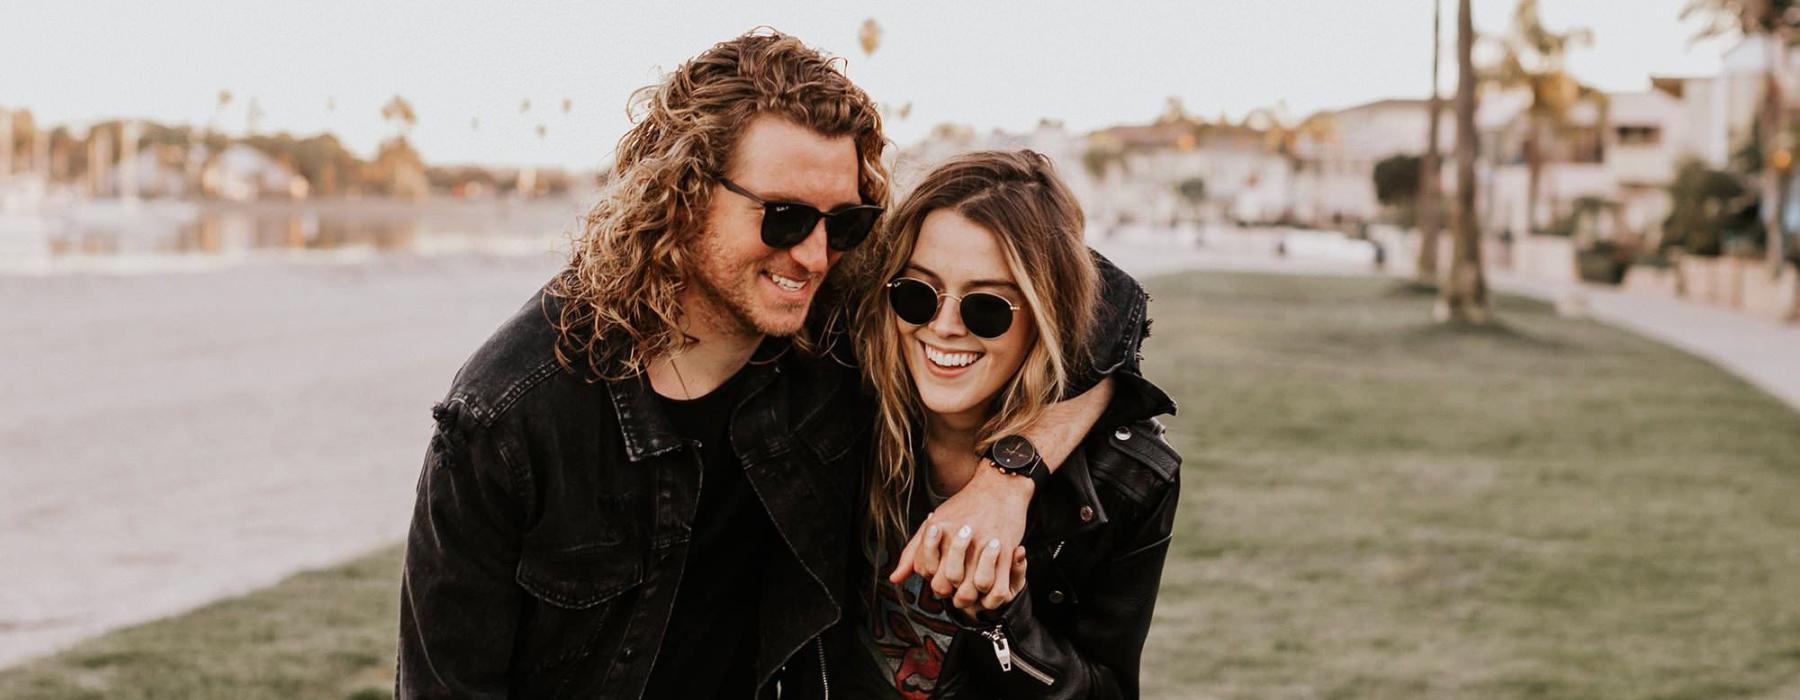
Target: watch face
[1014, 452]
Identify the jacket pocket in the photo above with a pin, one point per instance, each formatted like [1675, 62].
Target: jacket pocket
[568, 639]
[583, 577]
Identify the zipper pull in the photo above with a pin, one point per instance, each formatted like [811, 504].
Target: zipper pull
[1002, 647]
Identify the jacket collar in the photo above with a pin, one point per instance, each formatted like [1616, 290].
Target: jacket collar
[646, 427]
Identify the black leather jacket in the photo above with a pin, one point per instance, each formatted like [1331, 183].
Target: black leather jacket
[1095, 539]
[553, 515]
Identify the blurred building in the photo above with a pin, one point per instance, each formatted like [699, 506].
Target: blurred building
[1335, 161]
[242, 173]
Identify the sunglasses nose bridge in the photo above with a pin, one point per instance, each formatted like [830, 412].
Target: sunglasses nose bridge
[947, 320]
[813, 251]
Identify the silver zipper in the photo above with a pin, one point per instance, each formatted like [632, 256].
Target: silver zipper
[1033, 671]
[1058, 549]
[1003, 654]
[824, 680]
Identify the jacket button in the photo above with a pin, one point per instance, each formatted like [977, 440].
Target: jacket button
[1087, 513]
[1056, 596]
[627, 652]
[1122, 433]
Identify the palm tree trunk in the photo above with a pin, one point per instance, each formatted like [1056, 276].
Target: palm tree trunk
[1464, 298]
[1534, 174]
[1427, 267]
[1774, 197]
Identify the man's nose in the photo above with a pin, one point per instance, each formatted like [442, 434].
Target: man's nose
[813, 253]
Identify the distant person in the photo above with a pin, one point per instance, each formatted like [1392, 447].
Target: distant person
[644, 484]
[986, 260]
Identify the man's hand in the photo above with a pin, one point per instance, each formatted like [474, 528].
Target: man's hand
[999, 591]
[990, 507]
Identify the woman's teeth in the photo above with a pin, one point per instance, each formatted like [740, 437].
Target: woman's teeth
[789, 284]
[950, 359]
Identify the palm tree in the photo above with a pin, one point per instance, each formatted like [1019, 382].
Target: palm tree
[1777, 23]
[869, 36]
[1533, 59]
[1464, 297]
[400, 113]
[1427, 267]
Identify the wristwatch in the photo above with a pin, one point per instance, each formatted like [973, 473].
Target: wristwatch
[1014, 454]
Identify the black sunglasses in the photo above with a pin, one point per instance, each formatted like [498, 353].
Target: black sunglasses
[786, 224]
[917, 302]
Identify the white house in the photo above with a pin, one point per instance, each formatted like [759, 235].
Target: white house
[241, 173]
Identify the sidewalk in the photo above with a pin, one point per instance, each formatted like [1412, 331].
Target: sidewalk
[1763, 353]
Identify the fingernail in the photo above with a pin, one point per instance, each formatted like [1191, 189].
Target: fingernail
[931, 531]
[965, 532]
[994, 544]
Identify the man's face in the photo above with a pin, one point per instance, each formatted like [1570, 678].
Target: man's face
[750, 287]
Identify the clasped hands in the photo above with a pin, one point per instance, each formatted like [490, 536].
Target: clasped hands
[968, 549]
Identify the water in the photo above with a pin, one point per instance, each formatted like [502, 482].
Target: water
[158, 235]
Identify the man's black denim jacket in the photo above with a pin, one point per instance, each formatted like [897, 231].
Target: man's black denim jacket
[553, 514]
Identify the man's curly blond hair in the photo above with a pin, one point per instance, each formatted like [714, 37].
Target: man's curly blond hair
[636, 251]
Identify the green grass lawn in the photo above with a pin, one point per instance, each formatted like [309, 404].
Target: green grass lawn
[1375, 508]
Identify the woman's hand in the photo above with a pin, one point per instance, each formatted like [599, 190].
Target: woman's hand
[991, 506]
[985, 591]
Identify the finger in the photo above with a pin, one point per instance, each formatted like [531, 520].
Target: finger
[1003, 589]
[966, 595]
[925, 561]
[971, 612]
[1018, 571]
[985, 562]
[979, 580]
[950, 569]
[905, 567]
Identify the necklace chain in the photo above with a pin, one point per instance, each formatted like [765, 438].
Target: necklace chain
[686, 395]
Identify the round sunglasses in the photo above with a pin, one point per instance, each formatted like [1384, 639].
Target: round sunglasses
[916, 302]
[786, 224]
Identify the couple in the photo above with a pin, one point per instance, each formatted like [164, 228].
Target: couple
[763, 438]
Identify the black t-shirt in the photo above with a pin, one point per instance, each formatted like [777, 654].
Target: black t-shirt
[709, 647]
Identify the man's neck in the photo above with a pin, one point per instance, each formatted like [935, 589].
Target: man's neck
[719, 352]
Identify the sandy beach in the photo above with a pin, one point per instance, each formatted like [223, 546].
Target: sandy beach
[169, 439]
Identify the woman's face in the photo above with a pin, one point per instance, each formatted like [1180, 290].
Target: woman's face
[957, 372]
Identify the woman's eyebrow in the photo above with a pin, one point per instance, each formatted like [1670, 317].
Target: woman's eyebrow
[922, 269]
[1003, 284]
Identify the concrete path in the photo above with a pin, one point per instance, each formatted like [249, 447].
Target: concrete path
[1764, 353]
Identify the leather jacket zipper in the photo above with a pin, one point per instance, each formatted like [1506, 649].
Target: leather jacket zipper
[824, 678]
[1003, 654]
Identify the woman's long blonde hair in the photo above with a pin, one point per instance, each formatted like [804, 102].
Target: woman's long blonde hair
[1038, 224]
[621, 288]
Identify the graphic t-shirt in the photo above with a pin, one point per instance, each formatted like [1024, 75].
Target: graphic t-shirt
[909, 627]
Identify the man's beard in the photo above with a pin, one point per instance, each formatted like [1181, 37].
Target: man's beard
[729, 299]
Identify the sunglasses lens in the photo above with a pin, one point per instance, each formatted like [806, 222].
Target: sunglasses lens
[847, 229]
[986, 315]
[914, 302]
[786, 225]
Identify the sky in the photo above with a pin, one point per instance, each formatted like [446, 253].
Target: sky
[330, 65]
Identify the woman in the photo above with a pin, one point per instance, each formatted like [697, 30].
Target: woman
[990, 296]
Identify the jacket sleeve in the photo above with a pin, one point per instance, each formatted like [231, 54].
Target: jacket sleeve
[1098, 656]
[1115, 349]
[459, 604]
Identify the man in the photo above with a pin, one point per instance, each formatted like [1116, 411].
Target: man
[643, 485]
